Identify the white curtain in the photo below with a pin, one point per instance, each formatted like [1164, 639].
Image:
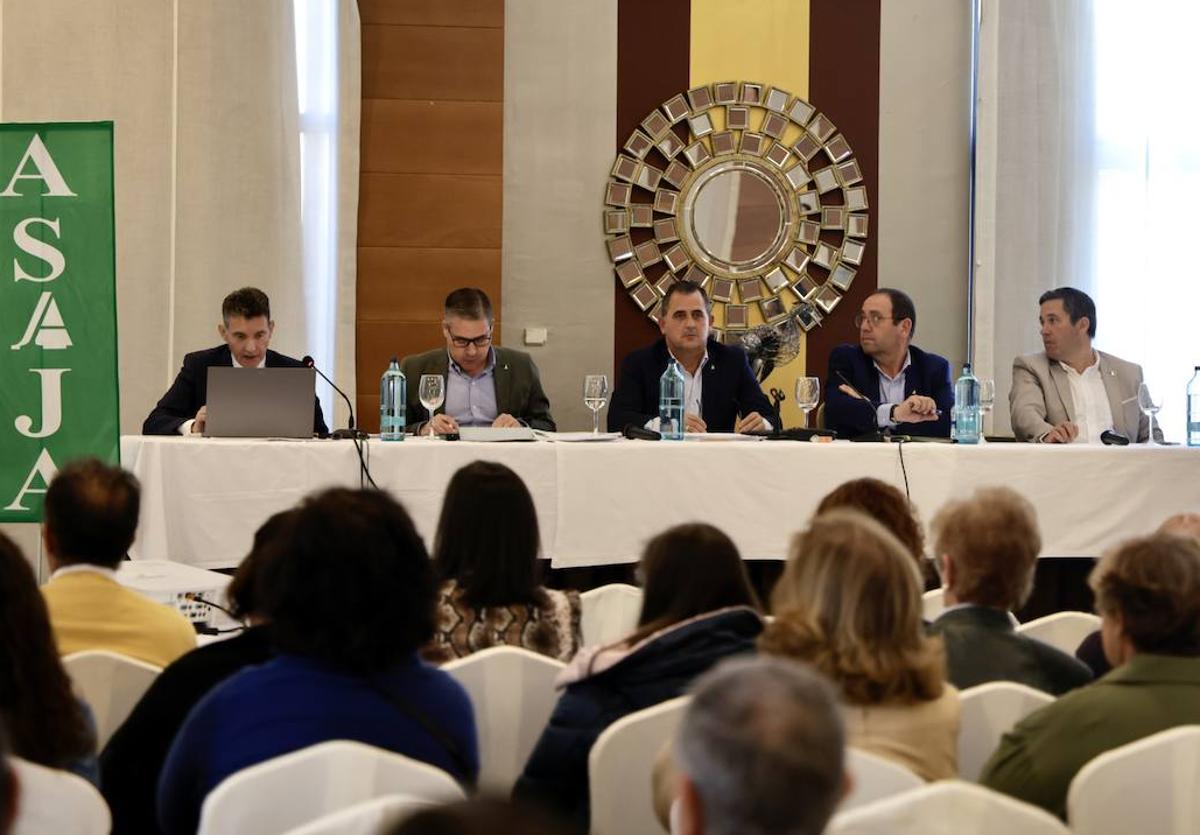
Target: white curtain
[1089, 160]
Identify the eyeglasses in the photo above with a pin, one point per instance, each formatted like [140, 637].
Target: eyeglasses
[874, 317]
[478, 342]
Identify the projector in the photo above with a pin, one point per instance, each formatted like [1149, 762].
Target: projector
[181, 586]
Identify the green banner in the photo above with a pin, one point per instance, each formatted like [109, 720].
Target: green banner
[58, 307]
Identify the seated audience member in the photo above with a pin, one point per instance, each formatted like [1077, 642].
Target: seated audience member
[890, 508]
[486, 554]
[132, 760]
[246, 327]
[987, 546]
[848, 603]
[1070, 392]
[720, 392]
[89, 520]
[477, 816]
[1148, 596]
[698, 607]
[761, 751]
[46, 724]
[886, 382]
[350, 601]
[486, 385]
[1091, 649]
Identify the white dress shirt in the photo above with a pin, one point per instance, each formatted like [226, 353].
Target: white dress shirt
[891, 392]
[1093, 414]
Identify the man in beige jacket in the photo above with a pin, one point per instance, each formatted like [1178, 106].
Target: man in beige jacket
[1070, 392]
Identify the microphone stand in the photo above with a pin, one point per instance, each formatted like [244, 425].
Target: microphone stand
[349, 433]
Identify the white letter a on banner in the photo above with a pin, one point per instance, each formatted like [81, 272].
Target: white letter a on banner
[47, 171]
[44, 467]
[51, 404]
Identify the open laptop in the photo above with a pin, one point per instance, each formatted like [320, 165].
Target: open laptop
[260, 402]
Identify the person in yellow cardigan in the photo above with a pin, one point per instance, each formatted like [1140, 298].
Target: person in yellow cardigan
[89, 520]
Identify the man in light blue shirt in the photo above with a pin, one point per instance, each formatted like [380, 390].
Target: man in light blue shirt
[485, 385]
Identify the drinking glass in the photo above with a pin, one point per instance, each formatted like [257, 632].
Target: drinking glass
[432, 392]
[808, 395]
[1149, 407]
[595, 395]
[987, 399]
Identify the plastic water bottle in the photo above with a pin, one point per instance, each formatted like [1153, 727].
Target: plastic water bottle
[670, 403]
[965, 416]
[393, 403]
[1193, 406]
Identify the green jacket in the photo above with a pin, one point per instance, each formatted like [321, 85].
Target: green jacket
[1038, 758]
[518, 388]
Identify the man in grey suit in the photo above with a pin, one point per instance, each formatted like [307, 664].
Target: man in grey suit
[486, 385]
[1071, 392]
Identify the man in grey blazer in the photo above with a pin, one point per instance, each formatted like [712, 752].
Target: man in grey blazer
[1071, 392]
[486, 385]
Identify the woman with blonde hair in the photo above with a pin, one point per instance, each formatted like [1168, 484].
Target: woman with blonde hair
[849, 603]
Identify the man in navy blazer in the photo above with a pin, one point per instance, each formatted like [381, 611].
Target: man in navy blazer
[719, 385]
[246, 328]
[884, 382]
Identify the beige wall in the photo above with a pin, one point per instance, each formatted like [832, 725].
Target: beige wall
[923, 158]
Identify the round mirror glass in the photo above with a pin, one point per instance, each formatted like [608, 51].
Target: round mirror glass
[737, 216]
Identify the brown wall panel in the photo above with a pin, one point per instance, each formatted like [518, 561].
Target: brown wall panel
[402, 283]
[653, 55]
[484, 13]
[432, 62]
[844, 84]
[429, 210]
[432, 137]
[430, 192]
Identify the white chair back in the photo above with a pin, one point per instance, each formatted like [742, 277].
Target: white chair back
[111, 684]
[932, 604]
[988, 712]
[1064, 630]
[512, 691]
[874, 779]
[367, 818]
[609, 613]
[620, 765]
[1152, 785]
[948, 807]
[285, 792]
[57, 801]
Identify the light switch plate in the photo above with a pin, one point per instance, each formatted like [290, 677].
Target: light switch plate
[535, 336]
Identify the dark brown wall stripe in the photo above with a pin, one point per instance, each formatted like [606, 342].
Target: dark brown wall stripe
[844, 84]
[653, 64]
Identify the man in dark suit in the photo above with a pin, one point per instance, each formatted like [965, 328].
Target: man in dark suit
[246, 327]
[721, 393]
[987, 547]
[885, 382]
[486, 385]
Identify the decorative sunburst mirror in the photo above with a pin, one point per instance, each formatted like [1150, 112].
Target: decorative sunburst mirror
[746, 190]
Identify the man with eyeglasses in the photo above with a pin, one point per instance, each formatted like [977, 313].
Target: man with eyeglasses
[885, 382]
[486, 385]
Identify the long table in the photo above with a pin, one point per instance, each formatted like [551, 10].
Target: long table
[598, 503]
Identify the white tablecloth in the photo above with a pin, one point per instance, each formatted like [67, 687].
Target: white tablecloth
[598, 503]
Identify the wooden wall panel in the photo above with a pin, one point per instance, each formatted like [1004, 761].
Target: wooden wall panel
[432, 62]
[430, 198]
[424, 210]
[396, 136]
[485, 13]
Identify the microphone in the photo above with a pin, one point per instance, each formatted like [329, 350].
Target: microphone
[338, 434]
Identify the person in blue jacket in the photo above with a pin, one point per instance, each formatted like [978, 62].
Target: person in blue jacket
[350, 597]
[698, 607]
[885, 382]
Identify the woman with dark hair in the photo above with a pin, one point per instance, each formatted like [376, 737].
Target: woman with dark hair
[698, 607]
[486, 553]
[46, 724]
[133, 758]
[350, 597]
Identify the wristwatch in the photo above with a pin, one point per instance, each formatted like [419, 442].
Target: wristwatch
[892, 413]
